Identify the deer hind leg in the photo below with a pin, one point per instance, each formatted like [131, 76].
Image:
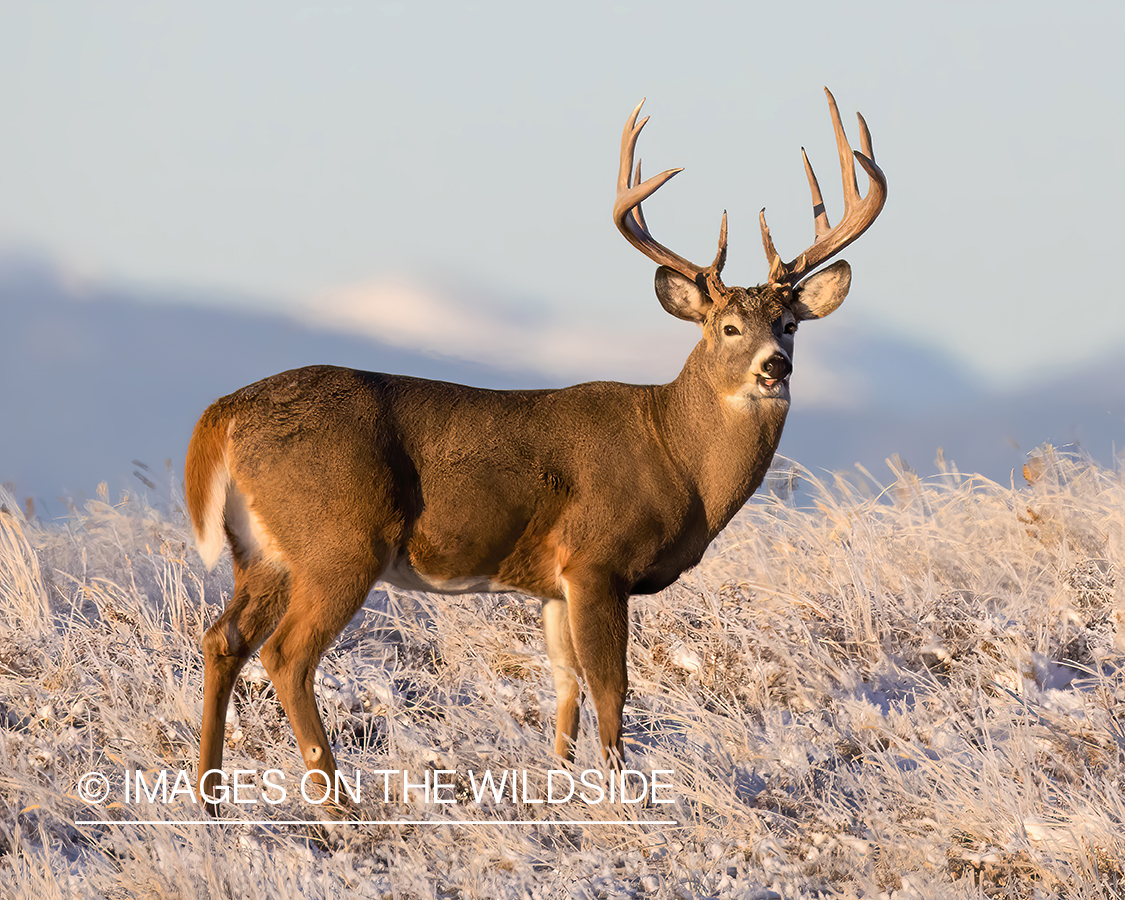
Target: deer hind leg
[261, 592]
[323, 601]
[565, 670]
[599, 626]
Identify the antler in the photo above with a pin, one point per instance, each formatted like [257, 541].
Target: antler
[859, 212]
[631, 222]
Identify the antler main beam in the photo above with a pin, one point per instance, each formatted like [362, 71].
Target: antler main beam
[631, 191]
[859, 212]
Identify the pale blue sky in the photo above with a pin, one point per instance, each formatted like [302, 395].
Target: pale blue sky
[280, 149]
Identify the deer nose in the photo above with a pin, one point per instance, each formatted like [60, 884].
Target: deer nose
[777, 367]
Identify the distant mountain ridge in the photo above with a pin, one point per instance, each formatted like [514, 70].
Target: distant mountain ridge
[93, 381]
[96, 378]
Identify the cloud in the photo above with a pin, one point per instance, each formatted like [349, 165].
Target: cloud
[464, 327]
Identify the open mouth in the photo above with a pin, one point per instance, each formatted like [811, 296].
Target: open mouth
[773, 387]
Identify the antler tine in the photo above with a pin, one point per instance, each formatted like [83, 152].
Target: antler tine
[820, 214]
[627, 213]
[721, 255]
[638, 215]
[847, 163]
[859, 212]
[777, 267]
[865, 137]
[629, 145]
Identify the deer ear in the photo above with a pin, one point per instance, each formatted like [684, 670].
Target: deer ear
[819, 294]
[681, 296]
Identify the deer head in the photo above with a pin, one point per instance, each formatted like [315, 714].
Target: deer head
[748, 332]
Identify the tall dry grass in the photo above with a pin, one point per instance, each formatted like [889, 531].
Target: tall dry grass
[903, 690]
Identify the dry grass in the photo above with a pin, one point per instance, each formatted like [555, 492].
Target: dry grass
[914, 691]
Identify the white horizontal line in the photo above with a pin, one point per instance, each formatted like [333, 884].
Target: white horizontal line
[373, 822]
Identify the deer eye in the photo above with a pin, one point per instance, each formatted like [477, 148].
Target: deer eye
[730, 330]
[791, 328]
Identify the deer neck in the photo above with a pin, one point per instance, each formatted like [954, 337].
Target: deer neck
[723, 449]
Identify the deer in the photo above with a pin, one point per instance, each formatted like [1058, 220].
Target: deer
[325, 480]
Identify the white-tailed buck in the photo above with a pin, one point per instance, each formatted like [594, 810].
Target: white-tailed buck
[326, 480]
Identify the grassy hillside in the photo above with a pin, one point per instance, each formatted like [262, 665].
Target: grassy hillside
[914, 691]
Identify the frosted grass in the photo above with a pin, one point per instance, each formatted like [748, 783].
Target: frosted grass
[908, 689]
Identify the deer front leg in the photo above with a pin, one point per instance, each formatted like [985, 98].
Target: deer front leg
[565, 670]
[599, 628]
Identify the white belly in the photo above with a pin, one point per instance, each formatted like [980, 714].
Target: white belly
[402, 574]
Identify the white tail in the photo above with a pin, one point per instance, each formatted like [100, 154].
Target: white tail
[211, 470]
[326, 480]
